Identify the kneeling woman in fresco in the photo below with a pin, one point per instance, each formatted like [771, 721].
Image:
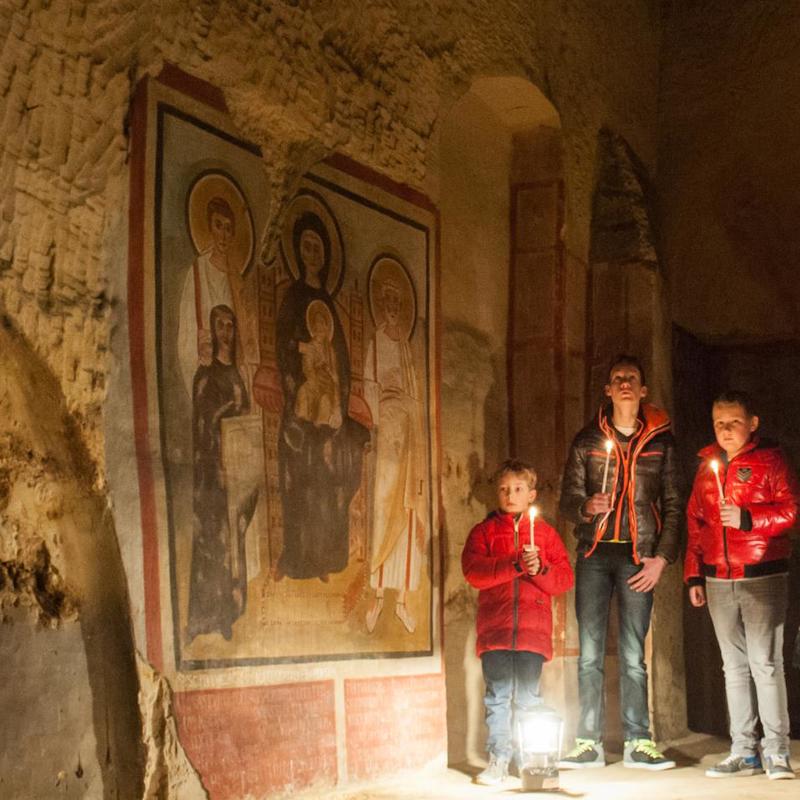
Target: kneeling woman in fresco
[217, 583]
[319, 446]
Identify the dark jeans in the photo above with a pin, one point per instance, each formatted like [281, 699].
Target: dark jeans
[512, 683]
[597, 578]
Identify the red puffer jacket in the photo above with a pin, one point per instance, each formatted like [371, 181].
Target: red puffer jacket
[513, 607]
[763, 485]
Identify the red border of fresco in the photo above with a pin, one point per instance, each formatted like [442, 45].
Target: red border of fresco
[174, 78]
[136, 330]
[198, 89]
[394, 723]
[261, 740]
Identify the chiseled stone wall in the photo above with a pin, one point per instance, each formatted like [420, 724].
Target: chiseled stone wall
[728, 165]
[302, 79]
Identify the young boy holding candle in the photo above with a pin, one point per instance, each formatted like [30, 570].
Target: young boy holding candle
[743, 502]
[620, 487]
[517, 562]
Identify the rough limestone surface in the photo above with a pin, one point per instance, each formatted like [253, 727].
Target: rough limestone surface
[168, 773]
[373, 80]
[67, 647]
[301, 79]
[728, 166]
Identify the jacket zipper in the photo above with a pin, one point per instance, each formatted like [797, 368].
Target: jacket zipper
[724, 529]
[600, 530]
[632, 521]
[627, 478]
[516, 586]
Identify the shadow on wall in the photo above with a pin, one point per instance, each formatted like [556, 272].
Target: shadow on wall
[474, 438]
[70, 674]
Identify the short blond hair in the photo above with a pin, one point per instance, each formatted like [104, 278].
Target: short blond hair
[515, 466]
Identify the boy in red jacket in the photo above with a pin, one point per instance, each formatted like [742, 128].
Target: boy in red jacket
[737, 560]
[517, 571]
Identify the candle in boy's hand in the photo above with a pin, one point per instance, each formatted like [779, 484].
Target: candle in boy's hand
[532, 517]
[609, 445]
[715, 470]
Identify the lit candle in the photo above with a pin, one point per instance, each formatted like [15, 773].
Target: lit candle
[715, 470]
[532, 517]
[609, 445]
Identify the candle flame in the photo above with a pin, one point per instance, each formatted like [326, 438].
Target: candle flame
[715, 465]
[532, 512]
[609, 445]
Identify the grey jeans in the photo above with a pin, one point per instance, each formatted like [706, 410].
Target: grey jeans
[748, 617]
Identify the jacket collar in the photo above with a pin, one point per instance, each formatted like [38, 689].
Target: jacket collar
[503, 516]
[715, 451]
[652, 419]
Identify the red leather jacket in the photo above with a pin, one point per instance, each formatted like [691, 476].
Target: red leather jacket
[513, 607]
[759, 481]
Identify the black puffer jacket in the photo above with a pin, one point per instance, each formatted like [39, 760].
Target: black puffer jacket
[649, 490]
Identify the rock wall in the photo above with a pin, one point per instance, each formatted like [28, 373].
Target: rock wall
[728, 154]
[301, 79]
[70, 677]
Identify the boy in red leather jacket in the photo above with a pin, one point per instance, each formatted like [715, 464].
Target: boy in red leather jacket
[737, 560]
[517, 572]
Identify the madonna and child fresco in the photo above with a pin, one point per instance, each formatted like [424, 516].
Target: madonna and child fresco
[295, 414]
[320, 446]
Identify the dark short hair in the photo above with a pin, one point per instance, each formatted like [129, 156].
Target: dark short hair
[736, 397]
[627, 360]
[515, 466]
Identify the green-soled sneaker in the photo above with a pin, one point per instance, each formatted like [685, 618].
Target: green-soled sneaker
[587, 754]
[643, 754]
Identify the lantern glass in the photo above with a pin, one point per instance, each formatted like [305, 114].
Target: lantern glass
[539, 734]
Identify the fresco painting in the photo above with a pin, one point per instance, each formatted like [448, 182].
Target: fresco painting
[296, 407]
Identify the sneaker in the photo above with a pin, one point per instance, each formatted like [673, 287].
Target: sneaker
[586, 754]
[643, 754]
[495, 774]
[779, 768]
[736, 767]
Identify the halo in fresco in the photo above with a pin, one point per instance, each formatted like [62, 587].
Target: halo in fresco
[309, 202]
[219, 184]
[388, 269]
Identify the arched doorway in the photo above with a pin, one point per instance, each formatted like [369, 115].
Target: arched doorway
[511, 383]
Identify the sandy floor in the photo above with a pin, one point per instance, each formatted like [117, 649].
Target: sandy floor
[687, 782]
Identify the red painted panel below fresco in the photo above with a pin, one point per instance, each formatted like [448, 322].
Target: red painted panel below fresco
[257, 741]
[394, 724]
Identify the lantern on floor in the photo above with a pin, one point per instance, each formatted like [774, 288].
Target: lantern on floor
[539, 740]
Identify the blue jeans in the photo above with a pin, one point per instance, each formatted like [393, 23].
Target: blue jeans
[597, 578]
[748, 617]
[512, 682]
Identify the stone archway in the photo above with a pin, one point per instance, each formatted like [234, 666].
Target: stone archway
[505, 272]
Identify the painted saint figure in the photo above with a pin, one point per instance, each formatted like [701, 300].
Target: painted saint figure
[319, 446]
[218, 580]
[207, 285]
[400, 498]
